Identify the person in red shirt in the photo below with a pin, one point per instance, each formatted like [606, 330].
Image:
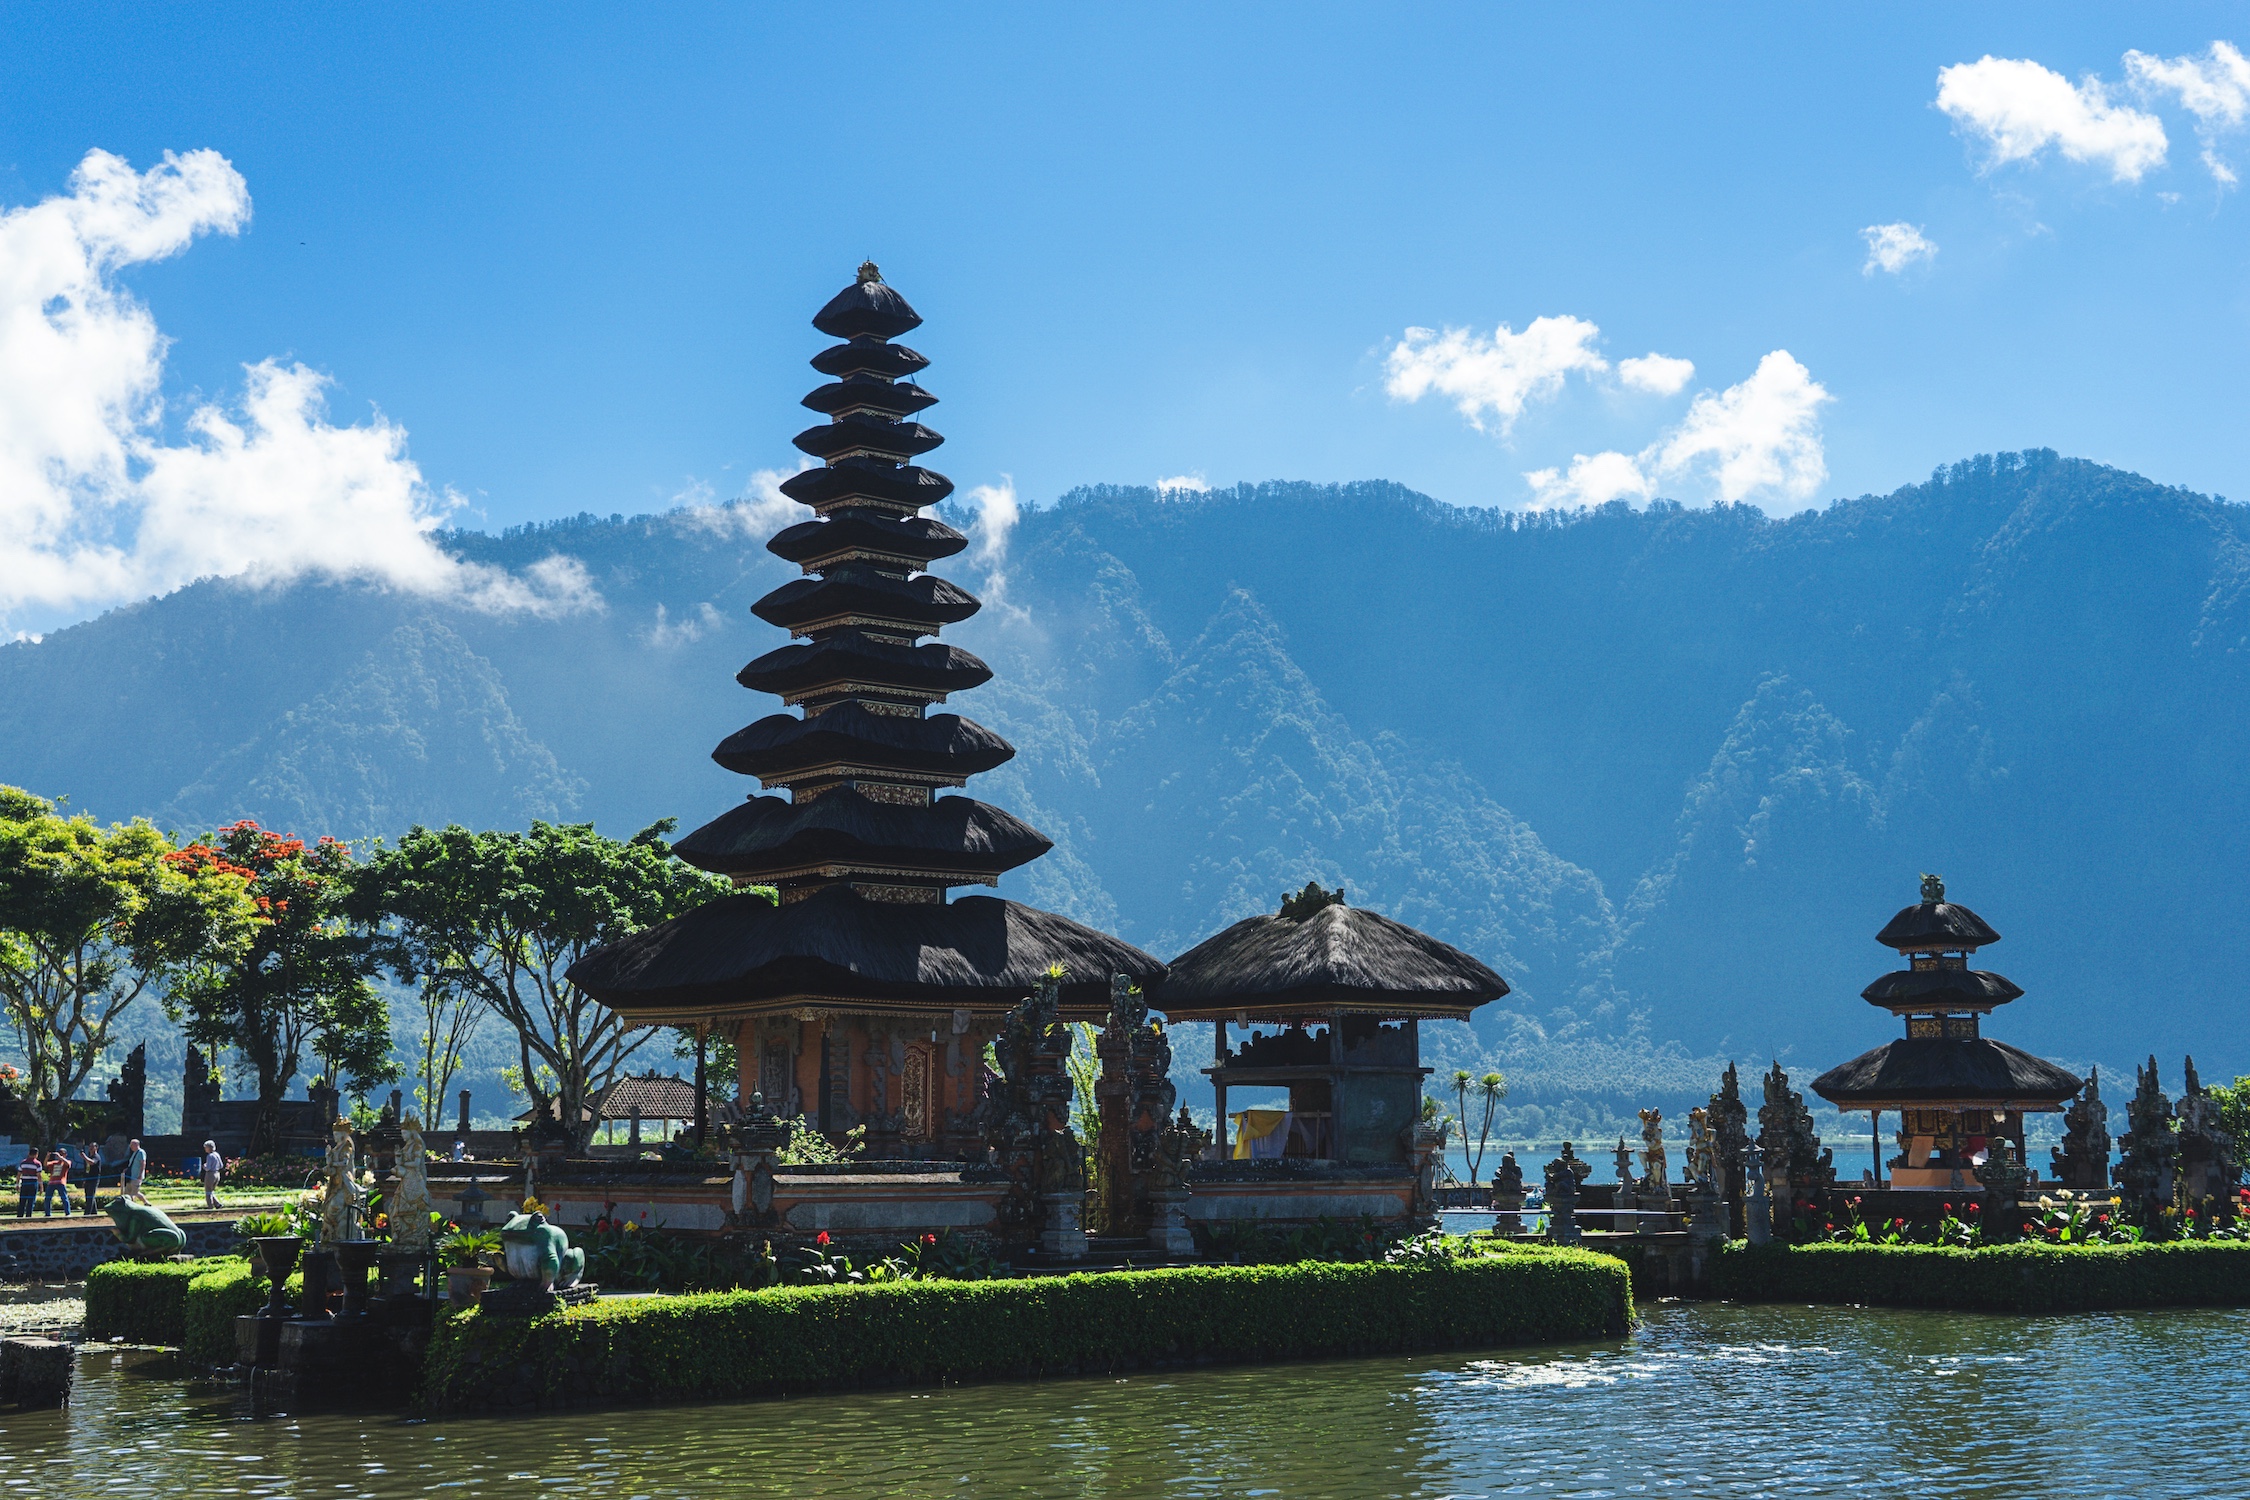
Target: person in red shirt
[58, 1183]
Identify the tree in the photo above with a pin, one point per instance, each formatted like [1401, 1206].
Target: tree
[89, 918]
[501, 916]
[450, 1013]
[1491, 1089]
[301, 983]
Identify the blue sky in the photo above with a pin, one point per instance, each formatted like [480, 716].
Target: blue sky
[568, 256]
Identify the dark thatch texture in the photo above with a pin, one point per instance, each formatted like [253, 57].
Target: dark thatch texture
[888, 396]
[859, 432]
[866, 309]
[1946, 1070]
[741, 953]
[851, 735]
[919, 537]
[860, 588]
[854, 656]
[855, 478]
[1934, 926]
[1338, 958]
[865, 357]
[952, 836]
[1909, 990]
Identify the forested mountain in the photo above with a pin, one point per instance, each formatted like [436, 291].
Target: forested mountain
[1667, 770]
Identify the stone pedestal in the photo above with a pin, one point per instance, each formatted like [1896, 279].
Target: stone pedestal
[36, 1372]
[1707, 1213]
[1168, 1226]
[398, 1273]
[1757, 1209]
[1064, 1235]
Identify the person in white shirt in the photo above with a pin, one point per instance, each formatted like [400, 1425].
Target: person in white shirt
[214, 1167]
[136, 1171]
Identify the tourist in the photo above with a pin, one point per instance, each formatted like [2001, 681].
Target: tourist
[214, 1167]
[460, 1150]
[93, 1155]
[27, 1182]
[57, 1179]
[136, 1172]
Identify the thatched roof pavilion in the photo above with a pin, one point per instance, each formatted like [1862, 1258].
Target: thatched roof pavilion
[1958, 1092]
[865, 995]
[1355, 1084]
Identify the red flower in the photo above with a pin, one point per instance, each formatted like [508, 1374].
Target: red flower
[1949, 1208]
[929, 1239]
[1973, 1208]
[821, 1238]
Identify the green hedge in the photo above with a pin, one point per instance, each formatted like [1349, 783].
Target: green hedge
[141, 1301]
[187, 1305]
[2014, 1278]
[734, 1344]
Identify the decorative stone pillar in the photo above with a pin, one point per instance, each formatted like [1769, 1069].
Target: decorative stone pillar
[1507, 1196]
[754, 1147]
[1563, 1176]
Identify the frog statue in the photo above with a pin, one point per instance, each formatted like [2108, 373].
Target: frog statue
[144, 1226]
[539, 1251]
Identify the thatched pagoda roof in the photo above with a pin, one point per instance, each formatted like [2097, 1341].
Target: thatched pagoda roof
[850, 734]
[863, 356]
[1950, 1072]
[867, 309]
[854, 656]
[742, 955]
[953, 836]
[1337, 958]
[1924, 990]
[860, 588]
[1936, 926]
[869, 394]
[918, 537]
[853, 479]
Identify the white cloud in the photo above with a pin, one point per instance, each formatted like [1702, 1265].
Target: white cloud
[1660, 374]
[1894, 247]
[1183, 484]
[2215, 88]
[1760, 436]
[997, 512]
[760, 511]
[1593, 479]
[96, 508]
[1501, 374]
[694, 626]
[2018, 109]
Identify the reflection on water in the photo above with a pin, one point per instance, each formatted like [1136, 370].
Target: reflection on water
[1702, 1401]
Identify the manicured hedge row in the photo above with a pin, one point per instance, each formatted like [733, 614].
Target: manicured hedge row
[142, 1301]
[227, 1290]
[733, 1344]
[2014, 1278]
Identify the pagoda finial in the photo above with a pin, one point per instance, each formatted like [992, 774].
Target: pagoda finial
[1933, 888]
[869, 271]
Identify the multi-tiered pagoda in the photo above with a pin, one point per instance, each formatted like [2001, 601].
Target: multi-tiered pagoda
[865, 996]
[1961, 1096]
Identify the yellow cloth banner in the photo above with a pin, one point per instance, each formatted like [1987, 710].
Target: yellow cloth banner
[1266, 1128]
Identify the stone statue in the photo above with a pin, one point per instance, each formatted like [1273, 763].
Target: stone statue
[1797, 1169]
[1730, 1146]
[1700, 1166]
[1563, 1175]
[1135, 1095]
[144, 1226]
[2147, 1168]
[1026, 1124]
[1933, 889]
[2208, 1169]
[2082, 1160]
[1624, 1156]
[540, 1252]
[409, 1208]
[1507, 1196]
[342, 1199]
[1656, 1172]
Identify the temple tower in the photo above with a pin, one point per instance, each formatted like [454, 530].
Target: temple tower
[1961, 1096]
[864, 998]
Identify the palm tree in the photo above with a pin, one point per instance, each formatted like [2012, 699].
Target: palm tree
[1491, 1088]
[1461, 1092]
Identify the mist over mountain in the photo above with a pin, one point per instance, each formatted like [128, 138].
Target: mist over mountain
[1667, 770]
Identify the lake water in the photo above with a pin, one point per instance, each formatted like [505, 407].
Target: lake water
[1702, 1400]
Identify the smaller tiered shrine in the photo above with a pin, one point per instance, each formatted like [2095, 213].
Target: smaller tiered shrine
[1961, 1096]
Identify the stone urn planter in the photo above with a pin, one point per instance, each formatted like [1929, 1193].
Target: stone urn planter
[464, 1285]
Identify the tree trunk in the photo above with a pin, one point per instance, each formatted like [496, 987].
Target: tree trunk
[265, 1125]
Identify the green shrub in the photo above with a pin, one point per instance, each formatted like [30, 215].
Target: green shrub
[2024, 1278]
[140, 1301]
[227, 1290]
[792, 1339]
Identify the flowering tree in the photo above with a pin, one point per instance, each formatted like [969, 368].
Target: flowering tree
[301, 985]
[500, 917]
[89, 918]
